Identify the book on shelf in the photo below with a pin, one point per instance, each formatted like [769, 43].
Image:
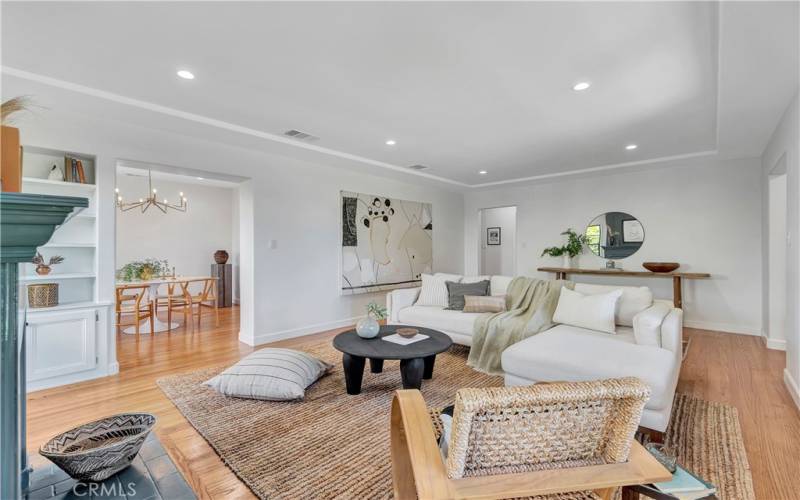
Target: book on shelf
[81, 175]
[686, 486]
[73, 170]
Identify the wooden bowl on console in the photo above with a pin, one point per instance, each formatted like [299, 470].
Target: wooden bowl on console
[661, 267]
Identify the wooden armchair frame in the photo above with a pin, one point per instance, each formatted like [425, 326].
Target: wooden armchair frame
[419, 472]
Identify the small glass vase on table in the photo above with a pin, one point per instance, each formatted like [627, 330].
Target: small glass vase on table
[368, 327]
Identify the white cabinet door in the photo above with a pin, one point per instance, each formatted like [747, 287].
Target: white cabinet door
[60, 343]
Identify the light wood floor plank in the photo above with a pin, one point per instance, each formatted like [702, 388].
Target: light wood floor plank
[732, 369]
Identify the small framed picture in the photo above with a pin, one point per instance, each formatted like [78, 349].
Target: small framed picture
[492, 235]
[632, 231]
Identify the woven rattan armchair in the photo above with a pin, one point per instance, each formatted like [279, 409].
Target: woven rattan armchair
[570, 440]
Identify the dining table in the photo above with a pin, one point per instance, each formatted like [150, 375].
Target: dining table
[154, 284]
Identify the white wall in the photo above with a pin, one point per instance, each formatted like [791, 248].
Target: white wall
[775, 319]
[784, 146]
[703, 213]
[292, 289]
[188, 239]
[499, 259]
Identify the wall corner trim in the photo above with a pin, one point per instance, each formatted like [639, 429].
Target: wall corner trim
[792, 387]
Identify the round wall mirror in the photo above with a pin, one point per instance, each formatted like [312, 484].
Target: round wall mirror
[614, 235]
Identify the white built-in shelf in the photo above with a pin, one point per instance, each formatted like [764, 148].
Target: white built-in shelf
[56, 277]
[67, 306]
[67, 245]
[89, 215]
[48, 182]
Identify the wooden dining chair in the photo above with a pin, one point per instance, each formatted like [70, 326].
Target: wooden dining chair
[566, 440]
[134, 299]
[207, 297]
[177, 297]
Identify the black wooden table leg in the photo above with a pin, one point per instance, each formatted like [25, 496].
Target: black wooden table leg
[353, 372]
[429, 361]
[411, 372]
[375, 365]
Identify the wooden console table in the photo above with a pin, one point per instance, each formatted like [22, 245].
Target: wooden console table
[677, 277]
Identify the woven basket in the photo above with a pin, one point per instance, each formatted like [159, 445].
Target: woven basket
[43, 295]
[99, 449]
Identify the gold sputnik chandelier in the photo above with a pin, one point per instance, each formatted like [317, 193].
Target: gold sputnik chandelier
[151, 200]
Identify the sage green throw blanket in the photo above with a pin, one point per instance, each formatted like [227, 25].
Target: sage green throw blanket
[531, 303]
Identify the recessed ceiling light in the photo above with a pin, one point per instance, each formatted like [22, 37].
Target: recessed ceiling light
[483, 172]
[391, 142]
[185, 74]
[581, 86]
[200, 179]
[631, 147]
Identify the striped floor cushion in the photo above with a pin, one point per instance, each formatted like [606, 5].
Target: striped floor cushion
[270, 374]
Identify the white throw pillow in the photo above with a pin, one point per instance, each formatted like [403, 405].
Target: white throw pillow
[474, 279]
[434, 290]
[270, 374]
[455, 278]
[595, 312]
[634, 299]
[499, 284]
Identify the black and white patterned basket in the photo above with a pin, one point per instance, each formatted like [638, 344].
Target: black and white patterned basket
[99, 449]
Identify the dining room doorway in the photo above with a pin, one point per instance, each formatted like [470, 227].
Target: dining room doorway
[176, 260]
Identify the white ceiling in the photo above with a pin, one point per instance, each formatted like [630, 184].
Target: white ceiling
[461, 87]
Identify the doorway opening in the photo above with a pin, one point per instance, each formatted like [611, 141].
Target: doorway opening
[498, 241]
[177, 262]
[777, 268]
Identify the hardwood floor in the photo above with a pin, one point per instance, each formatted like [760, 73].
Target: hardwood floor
[733, 369]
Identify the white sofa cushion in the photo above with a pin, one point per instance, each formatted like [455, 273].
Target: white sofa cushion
[499, 284]
[566, 353]
[434, 290]
[438, 318]
[647, 324]
[634, 299]
[595, 312]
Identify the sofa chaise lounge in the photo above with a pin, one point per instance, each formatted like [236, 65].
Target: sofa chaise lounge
[647, 343]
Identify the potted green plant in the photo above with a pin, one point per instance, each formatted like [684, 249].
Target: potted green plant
[571, 249]
[368, 327]
[143, 270]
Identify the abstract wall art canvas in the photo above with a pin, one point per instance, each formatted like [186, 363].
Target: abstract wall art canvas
[386, 243]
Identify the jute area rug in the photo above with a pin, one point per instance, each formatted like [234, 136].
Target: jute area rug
[332, 445]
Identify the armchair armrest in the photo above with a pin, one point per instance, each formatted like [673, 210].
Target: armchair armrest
[418, 470]
[400, 299]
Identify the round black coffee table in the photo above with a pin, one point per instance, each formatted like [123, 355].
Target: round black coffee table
[416, 360]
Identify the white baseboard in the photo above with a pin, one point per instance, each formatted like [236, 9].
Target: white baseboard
[792, 387]
[113, 368]
[722, 327]
[776, 344]
[265, 338]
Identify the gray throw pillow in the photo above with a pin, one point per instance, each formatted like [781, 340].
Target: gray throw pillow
[270, 374]
[456, 292]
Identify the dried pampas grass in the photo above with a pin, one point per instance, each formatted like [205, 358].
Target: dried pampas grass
[15, 105]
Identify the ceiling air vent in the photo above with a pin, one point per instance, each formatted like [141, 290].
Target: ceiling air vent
[300, 135]
[418, 167]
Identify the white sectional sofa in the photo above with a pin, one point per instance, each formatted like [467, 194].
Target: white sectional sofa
[647, 343]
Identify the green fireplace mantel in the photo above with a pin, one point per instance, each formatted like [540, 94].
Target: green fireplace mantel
[27, 221]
